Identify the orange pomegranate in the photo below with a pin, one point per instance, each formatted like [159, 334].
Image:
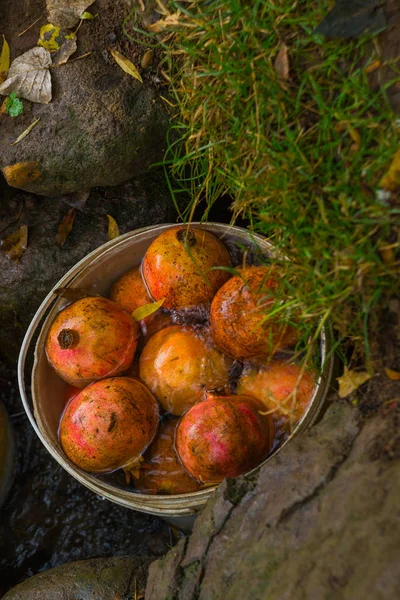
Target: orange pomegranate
[91, 339]
[286, 389]
[178, 267]
[223, 436]
[109, 424]
[179, 365]
[162, 473]
[238, 311]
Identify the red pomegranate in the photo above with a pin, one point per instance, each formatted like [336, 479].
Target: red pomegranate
[238, 313]
[109, 424]
[91, 339]
[181, 265]
[223, 436]
[162, 473]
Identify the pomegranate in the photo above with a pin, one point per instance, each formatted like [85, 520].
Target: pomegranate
[162, 473]
[224, 436]
[286, 389]
[177, 266]
[238, 310]
[109, 424]
[179, 365]
[91, 339]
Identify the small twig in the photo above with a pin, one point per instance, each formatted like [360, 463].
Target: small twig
[15, 415]
[31, 25]
[78, 57]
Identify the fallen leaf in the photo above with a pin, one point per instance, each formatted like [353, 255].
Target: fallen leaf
[113, 229]
[66, 50]
[74, 294]
[53, 38]
[87, 16]
[147, 59]
[372, 67]
[4, 60]
[356, 137]
[351, 381]
[169, 21]
[26, 132]
[126, 65]
[65, 227]
[141, 312]
[281, 63]
[14, 106]
[387, 253]
[66, 13]
[391, 180]
[29, 76]
[393, 375]
[22, 173]
[351, 18]
[15, 244]
[3, 107]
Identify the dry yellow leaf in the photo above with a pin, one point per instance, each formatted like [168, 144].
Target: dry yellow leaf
[141, 312]
[22, 173]
[373, 66]
[391, 180]
[26, 132]
[393, 375]
[281, 63]
[65, 227]
[126, 65]
[356, 137]
[4, 60]
[15, 244]
[113, 229]
[147, 59]
[351, 381]
[169, 21]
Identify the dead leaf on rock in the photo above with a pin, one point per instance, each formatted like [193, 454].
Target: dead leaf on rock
[66, 50]
[66, 13]
[15, 244]
[393, 375]
[281, 63]
[113, 229]
[29, 76]
[4, 60]
[351, 381]
[65, 227]
[52, 37]
[141, 312]
[26, 132]
[126, 65]
[22, 173]
[391, 180]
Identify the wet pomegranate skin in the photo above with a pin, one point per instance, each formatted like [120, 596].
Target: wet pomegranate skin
[109, 424]
[238, 310]
[179, 365]
[162, 473]
[275, 385]
[91, 339]
[223, 436]
[177, 267]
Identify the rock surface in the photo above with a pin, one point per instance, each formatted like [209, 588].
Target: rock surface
[23, 285]
[320, 520]
[102, 126]
[97, 579]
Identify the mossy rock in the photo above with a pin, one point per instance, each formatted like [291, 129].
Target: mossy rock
[96, 579]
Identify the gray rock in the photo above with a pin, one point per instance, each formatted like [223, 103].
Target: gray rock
[319, 521]
[23, 285]
[102, 126]
[97, 579]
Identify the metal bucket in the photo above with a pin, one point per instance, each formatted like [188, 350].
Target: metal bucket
[96, 272]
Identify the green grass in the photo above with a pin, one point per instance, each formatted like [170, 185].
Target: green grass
[301, 159]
